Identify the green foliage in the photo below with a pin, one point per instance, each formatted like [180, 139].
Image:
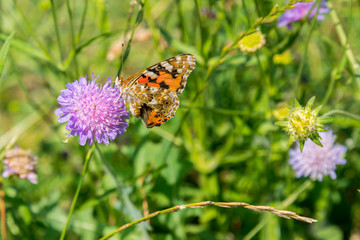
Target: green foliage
[222, 145]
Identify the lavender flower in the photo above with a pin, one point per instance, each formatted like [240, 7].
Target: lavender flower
[92, 112]
[20, 162]
[316, 161]
[300, 11]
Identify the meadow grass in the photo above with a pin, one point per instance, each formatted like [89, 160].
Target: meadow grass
[221, 147]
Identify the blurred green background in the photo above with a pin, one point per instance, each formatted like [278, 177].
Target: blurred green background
[222, 145]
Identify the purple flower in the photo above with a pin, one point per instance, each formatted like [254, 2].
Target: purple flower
[316, 161]
[20, 162]
[300, 11]
[92, 111]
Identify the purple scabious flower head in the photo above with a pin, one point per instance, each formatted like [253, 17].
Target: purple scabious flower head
[92, 111]
[20, 162]
[316, 161]
[300, 11]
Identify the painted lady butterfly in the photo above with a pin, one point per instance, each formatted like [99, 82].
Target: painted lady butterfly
[152, 94]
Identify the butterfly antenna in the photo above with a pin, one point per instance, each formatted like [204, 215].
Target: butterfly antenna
[117, 81]
[122, 59]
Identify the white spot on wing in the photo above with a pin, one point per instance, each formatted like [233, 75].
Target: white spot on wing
[151, 74]
[167, 66]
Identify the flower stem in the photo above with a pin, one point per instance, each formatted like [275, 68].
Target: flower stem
[139, 19]
[345, 43]
[280, 213]
[84, 172]
[73, 43]
[56, 25]
[351, 115]
[307, 41]
[129, 208]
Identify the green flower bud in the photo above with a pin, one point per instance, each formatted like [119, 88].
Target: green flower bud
[303, 123]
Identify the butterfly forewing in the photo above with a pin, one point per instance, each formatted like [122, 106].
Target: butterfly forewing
[151, 94]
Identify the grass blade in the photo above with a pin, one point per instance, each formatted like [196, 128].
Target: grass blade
[4, 51]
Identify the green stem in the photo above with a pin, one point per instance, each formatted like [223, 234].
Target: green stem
[72, 35]
[289, 200]
[335, 75]
[53, 11]
[351, 115]
[81, 181]
[129, 208]
[345, 44]
[307, 41]
[264, 79]
[32, 33]
[184, 35]
[82, 23]
[226, 111]
[139, 19]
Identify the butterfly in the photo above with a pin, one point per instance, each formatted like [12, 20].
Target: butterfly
[152, 94]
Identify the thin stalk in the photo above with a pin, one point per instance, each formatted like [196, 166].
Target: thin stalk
[82, 23]
[81, 181]
[139, 19]
[182, 22]
[37, 107]
[201, 24]
[307, 41]
[226, 111]
[129, 208]
[342, 112]
[53, 11]
[335, 74]
[265, 82]
[154, 30]
[280, 213]
[266, 85]
[1, 10]
[32, 33]
[72, 35]
[345, 43]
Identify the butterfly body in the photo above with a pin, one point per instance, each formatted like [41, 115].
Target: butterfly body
[152, 94]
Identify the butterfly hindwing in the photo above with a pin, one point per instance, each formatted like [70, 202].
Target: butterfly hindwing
[154, 105]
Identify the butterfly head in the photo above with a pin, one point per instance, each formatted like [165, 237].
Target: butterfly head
[119, 82]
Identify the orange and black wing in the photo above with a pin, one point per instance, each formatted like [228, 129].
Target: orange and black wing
[170, 74]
